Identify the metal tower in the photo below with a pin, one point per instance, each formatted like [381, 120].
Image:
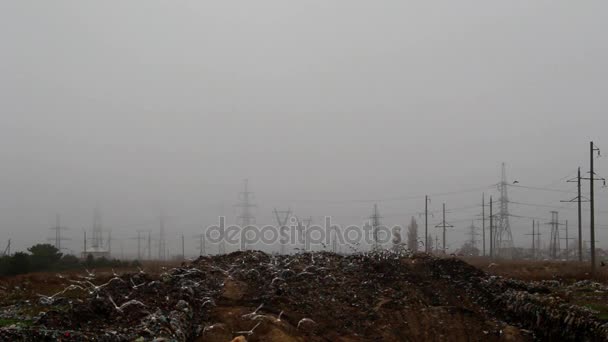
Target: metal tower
[282, 226]
[7, 250]
[554, 246]
[58, 228]
[473, 234]
[375, 223]
[97, 241]
[161, 238]
[503, 237]
[245, 198]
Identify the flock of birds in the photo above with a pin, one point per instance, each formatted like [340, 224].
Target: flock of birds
[185, 277]
[201, 283]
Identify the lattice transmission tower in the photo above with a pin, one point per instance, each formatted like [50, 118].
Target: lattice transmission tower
[245, 203]
[503, 237]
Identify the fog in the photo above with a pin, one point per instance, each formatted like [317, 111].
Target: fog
[144, 108]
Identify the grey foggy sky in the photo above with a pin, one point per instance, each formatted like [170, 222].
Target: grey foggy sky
[148, 106]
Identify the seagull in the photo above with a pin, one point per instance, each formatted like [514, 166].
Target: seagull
[249, 332]
[276, 279]
[89, 276]
[141, 271]
[99, 287]
[267, 318]
[135, 287]
[124, 305]
[51, 299]
[516, 182]
[251, 315]
[208, 301]
[305, 321]
[215, 326]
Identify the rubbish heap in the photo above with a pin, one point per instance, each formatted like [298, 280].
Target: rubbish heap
[320, 296]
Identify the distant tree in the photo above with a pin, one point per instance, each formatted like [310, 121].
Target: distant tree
[396, 233]
[4, 265]
[90, 260]
[412, 236]
[44, 256]
[69, 261]
[469, 249]
[19, 263]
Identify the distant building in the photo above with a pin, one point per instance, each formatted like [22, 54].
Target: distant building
[96, 252]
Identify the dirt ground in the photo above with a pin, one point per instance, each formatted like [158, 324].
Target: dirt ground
[252, 296]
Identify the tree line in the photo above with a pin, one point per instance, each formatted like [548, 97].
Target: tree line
[46, 257]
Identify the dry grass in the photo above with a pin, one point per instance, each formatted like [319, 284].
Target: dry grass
[539, 270]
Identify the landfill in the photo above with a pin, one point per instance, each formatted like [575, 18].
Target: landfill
[253, 296]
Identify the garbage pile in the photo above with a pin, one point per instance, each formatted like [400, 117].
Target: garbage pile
[253, 296]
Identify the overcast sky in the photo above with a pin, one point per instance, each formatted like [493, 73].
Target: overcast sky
[143, 107]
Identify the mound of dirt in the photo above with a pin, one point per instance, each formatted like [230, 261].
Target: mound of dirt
[253, 296]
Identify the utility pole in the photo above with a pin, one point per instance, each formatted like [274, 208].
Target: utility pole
[149, 245]
[139, 238]
[307, 223]
[491, 231]
[183, 248]
[578, 199]
[426, 223]
[202, 245]
[483, 222]
[592, 207]
[334, 239]
[534, 244]
[282, 223]
[375, 218]
[592, 150]
[221, 247]
[538, 234]
[444, 225]
[161, 237]
[567, 238]
[84, 251]
[204, 242]
[533, 238]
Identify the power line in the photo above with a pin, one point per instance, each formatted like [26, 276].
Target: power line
[539, 188]
[400, 198]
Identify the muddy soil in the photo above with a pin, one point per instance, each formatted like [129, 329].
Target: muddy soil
[253, 296]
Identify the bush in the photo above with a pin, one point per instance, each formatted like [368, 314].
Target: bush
[19, 263]
[43, 256]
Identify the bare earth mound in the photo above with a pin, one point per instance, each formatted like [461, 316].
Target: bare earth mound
[305, 297]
